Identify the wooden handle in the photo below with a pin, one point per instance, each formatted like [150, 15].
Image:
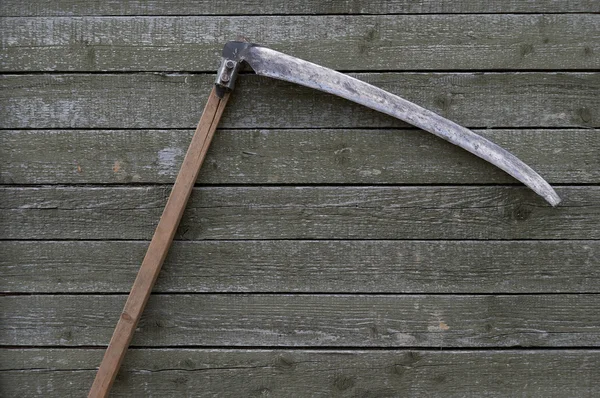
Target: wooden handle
[159, 246]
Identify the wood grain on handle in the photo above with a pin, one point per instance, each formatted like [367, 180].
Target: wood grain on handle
[159, 246]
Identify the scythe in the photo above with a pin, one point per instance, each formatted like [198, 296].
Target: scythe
[270, 63]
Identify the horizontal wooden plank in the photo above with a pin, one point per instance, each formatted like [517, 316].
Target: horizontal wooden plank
[383, 42]
[314, 373]
[229, 7]
[307, 266]
[176, 100]
[292, 212]
[336, 156]
[309, 320]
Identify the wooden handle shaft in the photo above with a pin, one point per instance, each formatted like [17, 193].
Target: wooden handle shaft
[159, 246]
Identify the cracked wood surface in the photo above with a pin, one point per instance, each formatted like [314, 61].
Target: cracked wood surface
[383, 42]
[307, 266]
[282, 7]
[302, 212]
[319, 320]
[314, 373]
[175, 100]
[292, 156]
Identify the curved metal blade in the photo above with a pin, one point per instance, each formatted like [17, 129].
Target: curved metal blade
[267, 62]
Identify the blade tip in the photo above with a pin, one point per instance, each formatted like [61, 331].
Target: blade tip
[553, 199]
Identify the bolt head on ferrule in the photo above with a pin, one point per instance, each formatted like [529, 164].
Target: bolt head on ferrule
[227, 74]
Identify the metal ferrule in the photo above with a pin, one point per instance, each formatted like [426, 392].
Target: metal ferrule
[227, 74]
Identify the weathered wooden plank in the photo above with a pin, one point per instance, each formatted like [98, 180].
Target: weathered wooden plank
[207, 7]
[290, 156]
[176, 100]
[421, 42]
[288, 212]
[314, 373]
[309, 320]
[307, 266]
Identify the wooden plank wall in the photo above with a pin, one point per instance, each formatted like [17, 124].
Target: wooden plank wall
[327, 250]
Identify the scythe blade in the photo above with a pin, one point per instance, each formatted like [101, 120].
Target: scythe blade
[274, 64]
